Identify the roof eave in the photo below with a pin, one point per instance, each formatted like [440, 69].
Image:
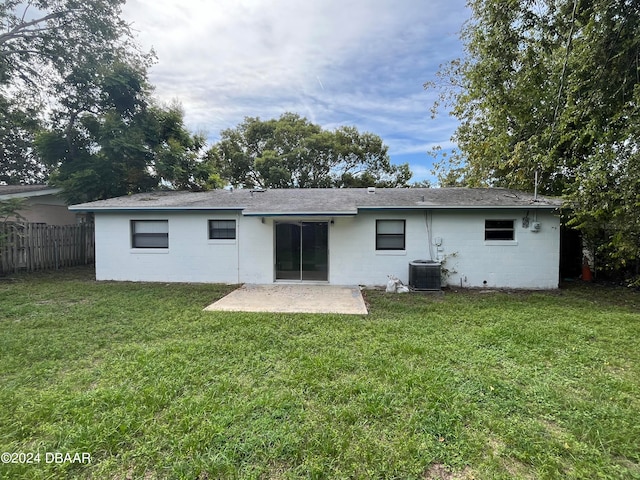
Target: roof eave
[80, 208]
[461, 207]
[29, 194]
[300, 214]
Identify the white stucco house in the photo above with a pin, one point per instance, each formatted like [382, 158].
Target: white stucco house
[482, 237]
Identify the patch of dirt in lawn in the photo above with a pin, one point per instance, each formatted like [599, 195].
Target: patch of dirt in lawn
[438, 471]
[131, 475]
[514, 467]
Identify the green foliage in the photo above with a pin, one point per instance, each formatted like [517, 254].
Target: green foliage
[9, 212]
[50, 55]
[421, 184]
[553, 87]
[125, 144]
[101, 135]
[607, 201]
[291, 152]
[10, 209]
[18, 126]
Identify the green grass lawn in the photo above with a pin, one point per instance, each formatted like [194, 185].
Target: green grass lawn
[467, 385]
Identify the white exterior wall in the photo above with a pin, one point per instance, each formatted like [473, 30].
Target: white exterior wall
[257, 250]
[530, 261]
[353, 258]
[191, 256]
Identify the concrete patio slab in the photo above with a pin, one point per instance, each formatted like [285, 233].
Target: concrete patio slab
[293, 298]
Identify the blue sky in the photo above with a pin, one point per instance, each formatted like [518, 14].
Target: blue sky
[336, 62]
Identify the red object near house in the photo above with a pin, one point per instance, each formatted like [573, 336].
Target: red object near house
[586, 271]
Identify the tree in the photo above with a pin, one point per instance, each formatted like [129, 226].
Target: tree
[52, 54]
[553, 87]
[291, 152]
[18, 126]
[125, 144]
[42, 40]
[102, 135]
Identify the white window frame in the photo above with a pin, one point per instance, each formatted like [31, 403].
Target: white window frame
[222, 239]
[496, 227]
[403, 235]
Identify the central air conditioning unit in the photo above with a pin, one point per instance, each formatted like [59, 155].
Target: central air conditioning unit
[425, 275]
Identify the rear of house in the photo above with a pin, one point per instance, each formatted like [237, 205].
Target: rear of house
[482, 237]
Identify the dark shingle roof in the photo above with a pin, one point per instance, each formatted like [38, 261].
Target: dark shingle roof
[323, 201]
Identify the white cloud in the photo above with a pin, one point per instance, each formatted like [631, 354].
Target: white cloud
[361, 62]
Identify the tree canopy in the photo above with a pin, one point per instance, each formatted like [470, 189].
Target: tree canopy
[18, 126]
[101, 133]
[553, 86]
[125, 144]
[52, 55]
[42, 42]
[291, 152]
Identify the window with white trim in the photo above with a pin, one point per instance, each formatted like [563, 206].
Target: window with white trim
[499, 230]
[222, 229]
[150, 233]
[390, 234]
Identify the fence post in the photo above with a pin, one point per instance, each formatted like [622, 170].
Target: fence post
[4, 248]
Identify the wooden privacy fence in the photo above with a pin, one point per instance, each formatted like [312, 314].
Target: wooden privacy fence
[36, 246]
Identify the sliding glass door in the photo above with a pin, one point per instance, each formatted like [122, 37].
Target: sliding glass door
[302, 251]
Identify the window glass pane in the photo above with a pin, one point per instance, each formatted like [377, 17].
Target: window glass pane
[499, 235]
[151, 241]
[502, 224]
[390, 227]
[223, 224]
[151, 226]
[390, 242]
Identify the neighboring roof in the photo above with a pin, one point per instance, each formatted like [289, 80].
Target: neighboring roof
[323, 201]
[24, 191]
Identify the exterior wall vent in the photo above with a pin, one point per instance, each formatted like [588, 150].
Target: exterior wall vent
[424, 275]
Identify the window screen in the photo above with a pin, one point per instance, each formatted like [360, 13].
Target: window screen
[150, 233]
[390, 234]
[222, 229]
[499, 230]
